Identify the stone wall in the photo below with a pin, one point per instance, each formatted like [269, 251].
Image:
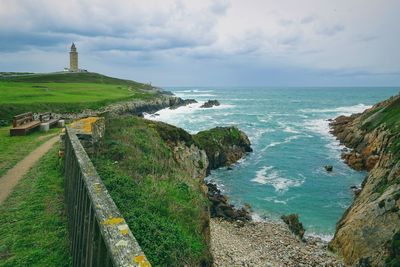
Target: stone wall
[99, 234]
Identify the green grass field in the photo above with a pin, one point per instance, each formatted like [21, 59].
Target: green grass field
[15, 148]
[33, 225]
[29, 93]
[65, 92]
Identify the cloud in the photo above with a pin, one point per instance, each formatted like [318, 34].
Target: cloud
[330, 30]
[135, 36]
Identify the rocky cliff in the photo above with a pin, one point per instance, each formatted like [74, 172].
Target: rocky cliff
[366, 233]
[133, 107]
[223, 145]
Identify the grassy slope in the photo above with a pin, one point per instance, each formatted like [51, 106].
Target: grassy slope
[14, 149]
[33, 227]
[162, 205]
[388, 115]
[65, 92]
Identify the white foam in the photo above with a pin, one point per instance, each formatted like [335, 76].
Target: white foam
[195, 91]
[323, 237]
[189, 95]
[266, 175]
[289, 129]
[285, 141]
[277, 201]
[171, 115]
[346, 110]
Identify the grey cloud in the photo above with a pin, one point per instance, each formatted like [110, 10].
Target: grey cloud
[308, 19]
[220, 7]
[367, 38]
[330, 30]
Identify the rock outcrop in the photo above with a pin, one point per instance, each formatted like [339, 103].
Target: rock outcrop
[134, 107]
[366, 229]
[292, 220]
[221, 208]
[223, 145]
[210, 104]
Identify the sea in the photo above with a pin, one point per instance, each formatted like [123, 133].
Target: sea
[289, 132]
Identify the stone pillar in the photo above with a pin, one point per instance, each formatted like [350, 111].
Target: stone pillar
[44, 127]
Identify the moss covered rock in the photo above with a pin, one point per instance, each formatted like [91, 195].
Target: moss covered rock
[223, 145]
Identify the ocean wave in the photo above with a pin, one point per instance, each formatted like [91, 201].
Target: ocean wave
[285, 141]
[346, 110]
[189, 95]
[256, 133]
[277, 201]
[267, 175]
[289, 129]
[194, 91]
[171, 115]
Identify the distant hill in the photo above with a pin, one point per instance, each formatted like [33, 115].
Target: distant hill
[68, 77]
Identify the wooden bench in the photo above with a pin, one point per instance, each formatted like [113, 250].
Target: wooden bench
[23, 123]
[48, 118]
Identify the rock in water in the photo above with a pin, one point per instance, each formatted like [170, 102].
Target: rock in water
[210, 103]
[292, 220]
[328, 168]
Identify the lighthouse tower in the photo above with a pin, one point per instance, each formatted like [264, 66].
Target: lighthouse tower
[73, 59]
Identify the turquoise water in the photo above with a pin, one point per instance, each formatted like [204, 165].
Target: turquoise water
[290, 137]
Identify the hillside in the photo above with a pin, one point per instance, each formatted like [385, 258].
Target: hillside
[66, 92]
[369, 230]
[69, 77]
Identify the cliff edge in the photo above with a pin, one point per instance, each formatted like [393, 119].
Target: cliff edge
[366, 234]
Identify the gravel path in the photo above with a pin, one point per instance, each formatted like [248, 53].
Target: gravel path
[9, 180]
[265, 244]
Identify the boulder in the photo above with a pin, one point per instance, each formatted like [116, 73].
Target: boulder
[210, 103]
[221, 208]
[328, 168]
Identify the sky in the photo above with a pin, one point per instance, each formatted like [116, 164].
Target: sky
[209, 42]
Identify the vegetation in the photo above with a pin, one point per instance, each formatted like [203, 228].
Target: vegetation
[394, 251]
[65, 92]
[15, 148]
[33, 227]
[388, 115]
[163, 206]
[212, 139]
[72, 77]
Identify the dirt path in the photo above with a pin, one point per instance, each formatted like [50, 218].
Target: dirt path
[12, 177]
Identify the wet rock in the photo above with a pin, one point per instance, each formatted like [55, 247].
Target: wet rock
[328, 168]
[221, 208]
[210, 104]
[182, 102]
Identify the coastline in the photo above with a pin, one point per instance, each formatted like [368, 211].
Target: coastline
[230, 240]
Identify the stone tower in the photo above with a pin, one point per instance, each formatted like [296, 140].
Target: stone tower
[73, 58]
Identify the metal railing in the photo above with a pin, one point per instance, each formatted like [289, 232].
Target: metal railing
[99, 234]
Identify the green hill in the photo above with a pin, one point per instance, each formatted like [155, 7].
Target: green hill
[69, 77]
[65, 92]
